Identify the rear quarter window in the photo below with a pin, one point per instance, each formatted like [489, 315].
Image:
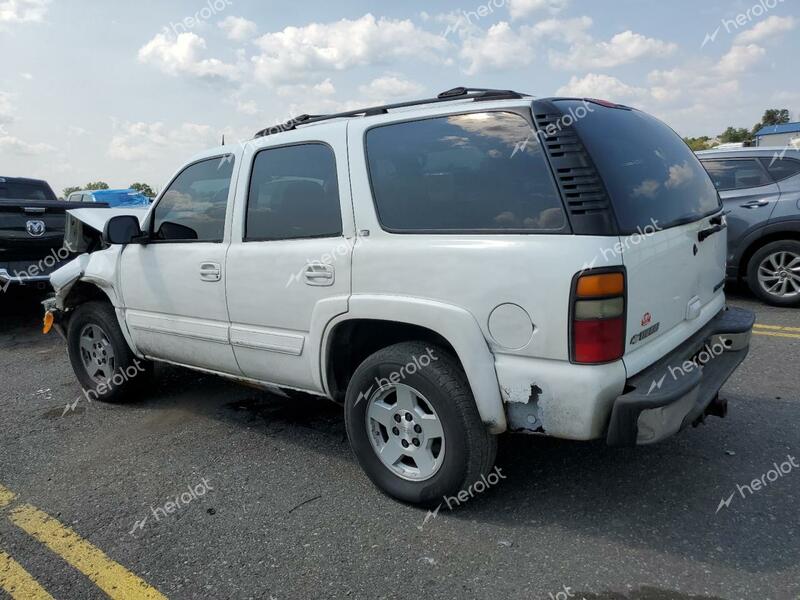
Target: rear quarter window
[462, 173]
[781, 168]
[652, 176]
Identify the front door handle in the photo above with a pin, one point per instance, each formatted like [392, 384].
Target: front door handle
[755, 203]
[210, 271]
[319, 274]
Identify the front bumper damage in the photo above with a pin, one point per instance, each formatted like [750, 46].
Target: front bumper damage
[683, 387]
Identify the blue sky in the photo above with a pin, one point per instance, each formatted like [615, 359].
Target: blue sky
[126, 91]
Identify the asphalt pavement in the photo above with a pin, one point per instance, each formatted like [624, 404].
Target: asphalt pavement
[208, 489]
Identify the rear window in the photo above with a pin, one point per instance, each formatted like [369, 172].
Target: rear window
[651, 174]
[477, 172]
[10, 190]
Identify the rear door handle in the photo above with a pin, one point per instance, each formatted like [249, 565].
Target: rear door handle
[210, 271]
[755, 203]
[319, 274]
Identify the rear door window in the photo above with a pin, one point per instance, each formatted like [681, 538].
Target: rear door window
[478, 172]
[781, 168]
[650, 173]
[294, 194]
[737, 174]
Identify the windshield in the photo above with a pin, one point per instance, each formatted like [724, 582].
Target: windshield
[651, 174]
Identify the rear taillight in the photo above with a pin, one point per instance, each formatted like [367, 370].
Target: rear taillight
[598, 317]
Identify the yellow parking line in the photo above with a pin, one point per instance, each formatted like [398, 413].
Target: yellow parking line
[776, 334]
[776, 327]
[111, 577]
[6, 497]
[17, 582]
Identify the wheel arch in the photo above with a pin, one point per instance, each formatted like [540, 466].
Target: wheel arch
[769, 236]
[374, 322]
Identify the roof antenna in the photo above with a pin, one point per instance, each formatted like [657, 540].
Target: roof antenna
[223, 139]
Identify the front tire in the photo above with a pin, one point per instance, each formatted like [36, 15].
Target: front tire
[102, 361]
[413, 425]
[773, 273]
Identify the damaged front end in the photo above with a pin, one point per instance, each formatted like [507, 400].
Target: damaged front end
[92, 273]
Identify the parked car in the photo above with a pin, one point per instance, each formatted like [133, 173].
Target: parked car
[112, 198]
[448, 269]
[760, 188]
[31, 231]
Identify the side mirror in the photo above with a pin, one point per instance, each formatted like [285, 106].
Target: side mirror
[122, 229]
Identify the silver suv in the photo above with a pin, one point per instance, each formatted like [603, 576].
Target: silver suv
[760, 188]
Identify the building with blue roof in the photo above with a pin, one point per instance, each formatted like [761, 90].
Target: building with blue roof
[784, 135]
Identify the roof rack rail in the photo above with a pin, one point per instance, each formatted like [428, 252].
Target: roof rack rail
[458, 93]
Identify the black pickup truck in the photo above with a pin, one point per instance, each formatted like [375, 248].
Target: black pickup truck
[31, 231]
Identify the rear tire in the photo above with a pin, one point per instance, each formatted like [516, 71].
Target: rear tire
[102, 361]
[416, 431]
[773, 273]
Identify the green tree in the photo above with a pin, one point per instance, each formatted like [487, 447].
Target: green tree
[96, 185]
[70, 190]
[143, 188]
[698, 143]
[733, 135]
[773, 116]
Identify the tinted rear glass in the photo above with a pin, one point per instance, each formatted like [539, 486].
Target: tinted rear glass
[10, 190]
[472, 172]
[781, 168]
[651, 174]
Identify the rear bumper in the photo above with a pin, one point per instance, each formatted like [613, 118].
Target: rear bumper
[677, 390]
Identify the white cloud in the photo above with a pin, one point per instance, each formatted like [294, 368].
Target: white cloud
[571, 31]
[390, 86]
[238, 29]
[26, 76]
[596, 85]
[180, 55]
[23, 11]
[766, 29]
[522, 8]
[6, 108]
[141, 141]
[13, 145]
[499, 48]
[316, 90]
[739, 59]
[302, 53]
[623, 48]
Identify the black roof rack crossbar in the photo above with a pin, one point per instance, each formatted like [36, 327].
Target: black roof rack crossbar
[459, 93]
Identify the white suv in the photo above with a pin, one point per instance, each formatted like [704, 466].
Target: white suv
[448, 270]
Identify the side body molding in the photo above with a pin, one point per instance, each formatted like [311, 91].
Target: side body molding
[455, 324]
